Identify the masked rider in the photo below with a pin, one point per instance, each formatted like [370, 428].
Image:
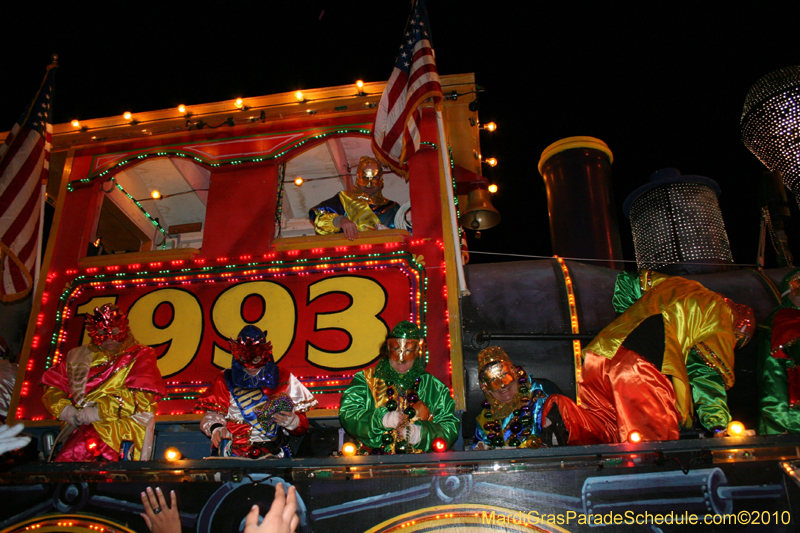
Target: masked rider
[512, 413]
[105, 392]
[666, 359]
[363, 209]
[254, 404]
[396, 406]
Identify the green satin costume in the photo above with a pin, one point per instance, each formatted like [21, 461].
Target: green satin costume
[775, 415]
[364, 404]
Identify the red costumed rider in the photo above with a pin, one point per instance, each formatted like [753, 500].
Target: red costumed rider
[105, 392]
[254, 404]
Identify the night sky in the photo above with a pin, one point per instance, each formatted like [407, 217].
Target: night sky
[662, 84]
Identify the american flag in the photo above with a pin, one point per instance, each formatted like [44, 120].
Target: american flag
[395, 133]
[24, 163]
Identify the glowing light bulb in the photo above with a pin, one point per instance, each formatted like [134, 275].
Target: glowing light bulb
[172, 454]
[181, 108]
[155, 195]
[492, 162]
[635, 437]
[93, 447]
[76, 123]
[127, 115]
[492, 188]
[299, 96]
[239, 103]
[360, 85]
[439, 445]
[491, 126]
[299, 181]
[736, 429]
[349, 449]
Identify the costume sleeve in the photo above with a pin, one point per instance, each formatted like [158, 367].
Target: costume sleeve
[323, 224]
[480, 433]
[146, 402]
[708, 393]
[359, 416]
[537, 389]
[211, 419]
[626, 291]
[322, 215]
[216, 398]
[145, 374]
[303, 401]
[714, 337]
[124, 404]
[445, 423]
[776, 416]
[55, 400]
[302, 426]
[301, 397]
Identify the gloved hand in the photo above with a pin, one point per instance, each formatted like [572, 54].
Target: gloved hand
[69, 415]
[287, 420]
[87, 415]
[9, 440]
[414, 434]
[392, 419]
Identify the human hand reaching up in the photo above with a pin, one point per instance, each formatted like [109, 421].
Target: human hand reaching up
[160, 517]
[281, 518]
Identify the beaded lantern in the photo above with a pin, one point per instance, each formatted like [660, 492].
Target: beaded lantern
[771, 123]
[677, 224]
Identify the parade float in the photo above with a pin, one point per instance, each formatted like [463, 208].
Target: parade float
[195, 221]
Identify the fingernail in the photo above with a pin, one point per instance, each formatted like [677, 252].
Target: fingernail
[149, 489]
[143, 494]
[158, 489]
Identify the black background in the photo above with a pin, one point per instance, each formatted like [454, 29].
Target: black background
[662, 84]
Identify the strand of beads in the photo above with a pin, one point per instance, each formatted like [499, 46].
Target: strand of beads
[520, 426]
[395, 440]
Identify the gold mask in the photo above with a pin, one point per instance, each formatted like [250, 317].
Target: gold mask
[369, 176]
[498, 375]
[403, 350]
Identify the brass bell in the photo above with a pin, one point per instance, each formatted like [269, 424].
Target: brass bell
[480, 213]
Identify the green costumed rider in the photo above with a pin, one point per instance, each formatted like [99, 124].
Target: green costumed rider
[779, 362]
[396, 406]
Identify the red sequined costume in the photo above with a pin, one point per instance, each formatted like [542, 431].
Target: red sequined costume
[244, 398]
[220, 408]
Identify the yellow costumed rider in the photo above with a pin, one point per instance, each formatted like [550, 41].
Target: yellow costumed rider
[362, 209]
[105, 393]
[669, 355]
[396, 406]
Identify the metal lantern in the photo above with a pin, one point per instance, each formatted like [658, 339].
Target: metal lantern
[677, 224]
[771, 123]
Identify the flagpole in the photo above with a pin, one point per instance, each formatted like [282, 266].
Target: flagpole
[38, 263]
[462, 282]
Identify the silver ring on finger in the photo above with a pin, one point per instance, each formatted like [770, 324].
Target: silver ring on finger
[156, 510]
